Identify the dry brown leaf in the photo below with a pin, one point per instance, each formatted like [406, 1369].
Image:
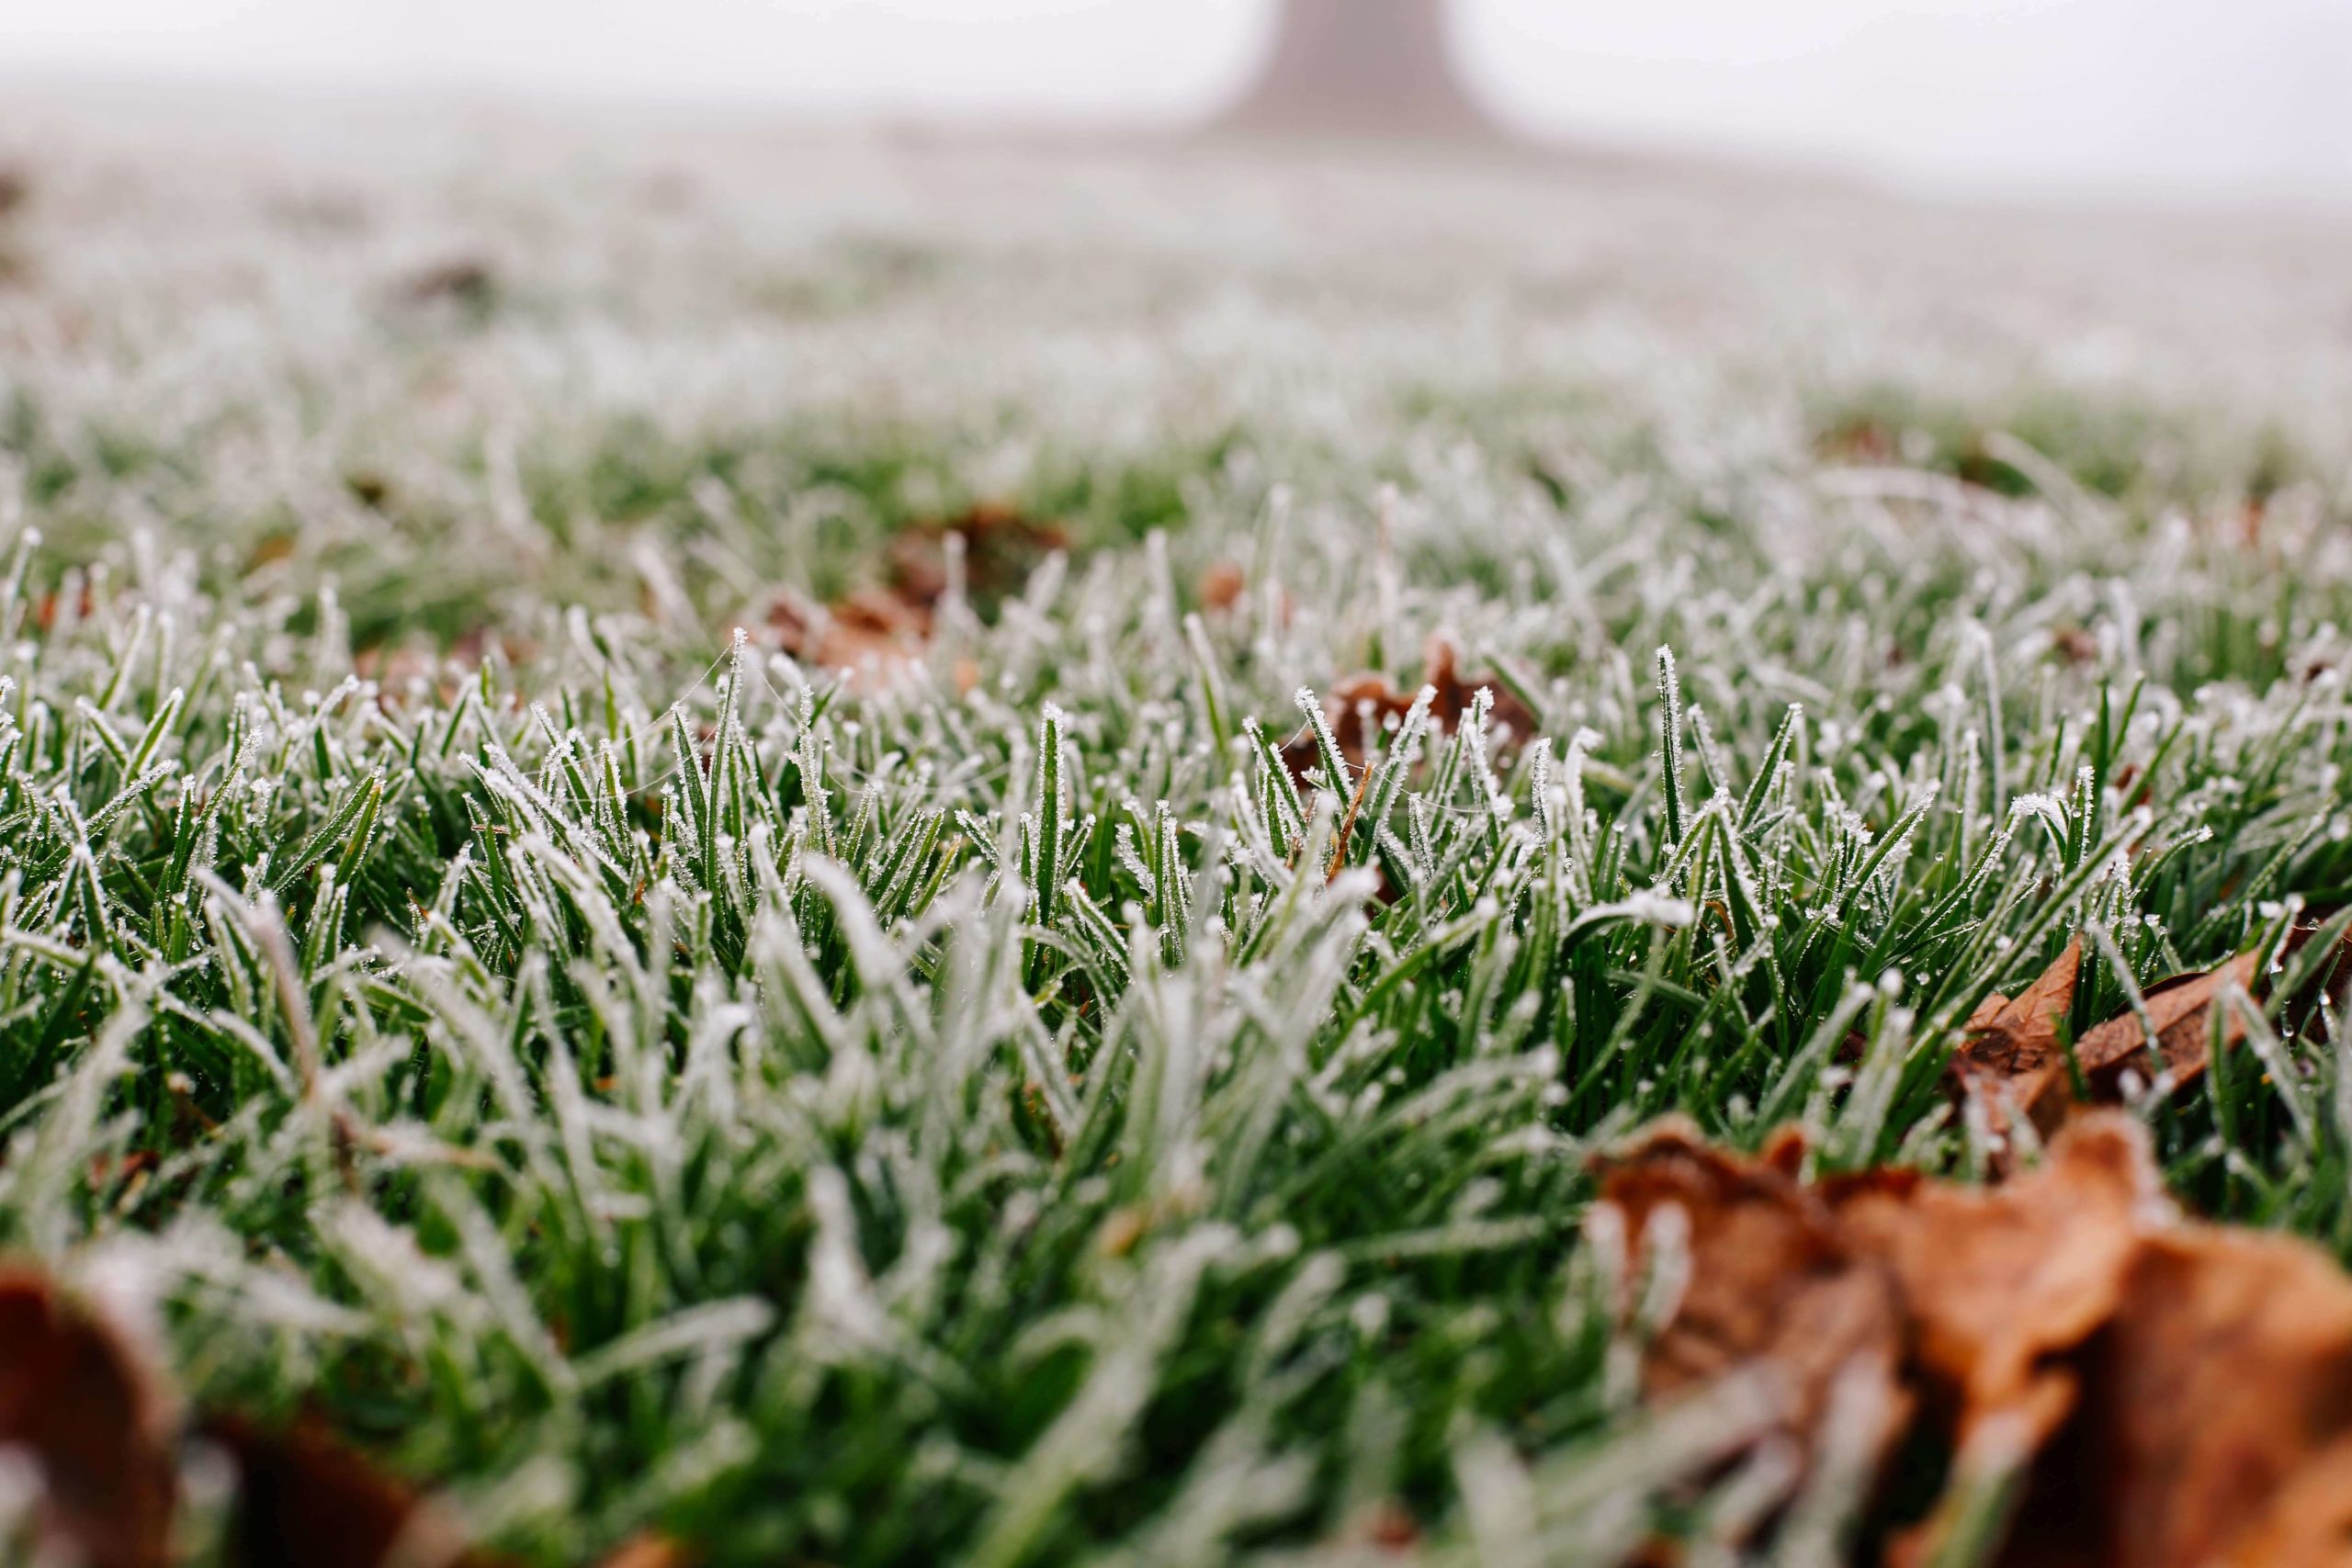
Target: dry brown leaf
[2180, 1011]
[306, 1501]
[1360, 706]
[77, 1399]
[2214, 1416]
[2308, 1523]
[648, 1552]
[2226, 1375]
[2172, 1395]
[103, 1429]
[881, 635]
[2011, 1062]
[2010, 1058]
[875, 636]
[1002, 546]
[1222, 584]
[1998, 1282]
[2017, 1036]
[1771, 1278]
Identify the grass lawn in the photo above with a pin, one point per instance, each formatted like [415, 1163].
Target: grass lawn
[1072, 1090]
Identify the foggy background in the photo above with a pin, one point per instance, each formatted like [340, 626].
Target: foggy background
[2169, 101]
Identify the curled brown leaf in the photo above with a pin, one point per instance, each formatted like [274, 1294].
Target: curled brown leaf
[103, 1431]
[79, 1402]
[874, 635]
[1222, 584]
[2013, 1062]
[1000, 545]
[2180, 1021]
[649, 1551]
[2221, 1391]
[1771, 1278]
[2157, 1395]
[879, 635]
[1361, 707]
[1999, 1283]
[304, 1500]
[2010, 1057]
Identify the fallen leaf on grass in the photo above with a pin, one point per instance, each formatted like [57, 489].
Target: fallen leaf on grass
[2012, 1061]
[1771, 1278]
[2010, 1057]
[1456, 694]
[1001, 545]
[306, 1501]
[2224, 1381]
[874, 635]
[2309, 1519]
[2209, 1417]
[649, 1551]
[2180, 1011]
[2167, 1395]
[878, 635]
[1997, 1281]
[1362, 706]
[1222, 584]
[76, 1400]
[2017, 1034]
[103, 1434]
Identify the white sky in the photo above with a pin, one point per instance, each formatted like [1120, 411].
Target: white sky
[2166, 99]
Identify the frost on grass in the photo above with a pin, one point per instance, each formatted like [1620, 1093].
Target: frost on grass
[1123, 1090]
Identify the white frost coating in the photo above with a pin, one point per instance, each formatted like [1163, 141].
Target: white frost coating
[717, 1327]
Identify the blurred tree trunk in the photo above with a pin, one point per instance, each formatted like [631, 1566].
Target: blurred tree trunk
[1360, 68]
